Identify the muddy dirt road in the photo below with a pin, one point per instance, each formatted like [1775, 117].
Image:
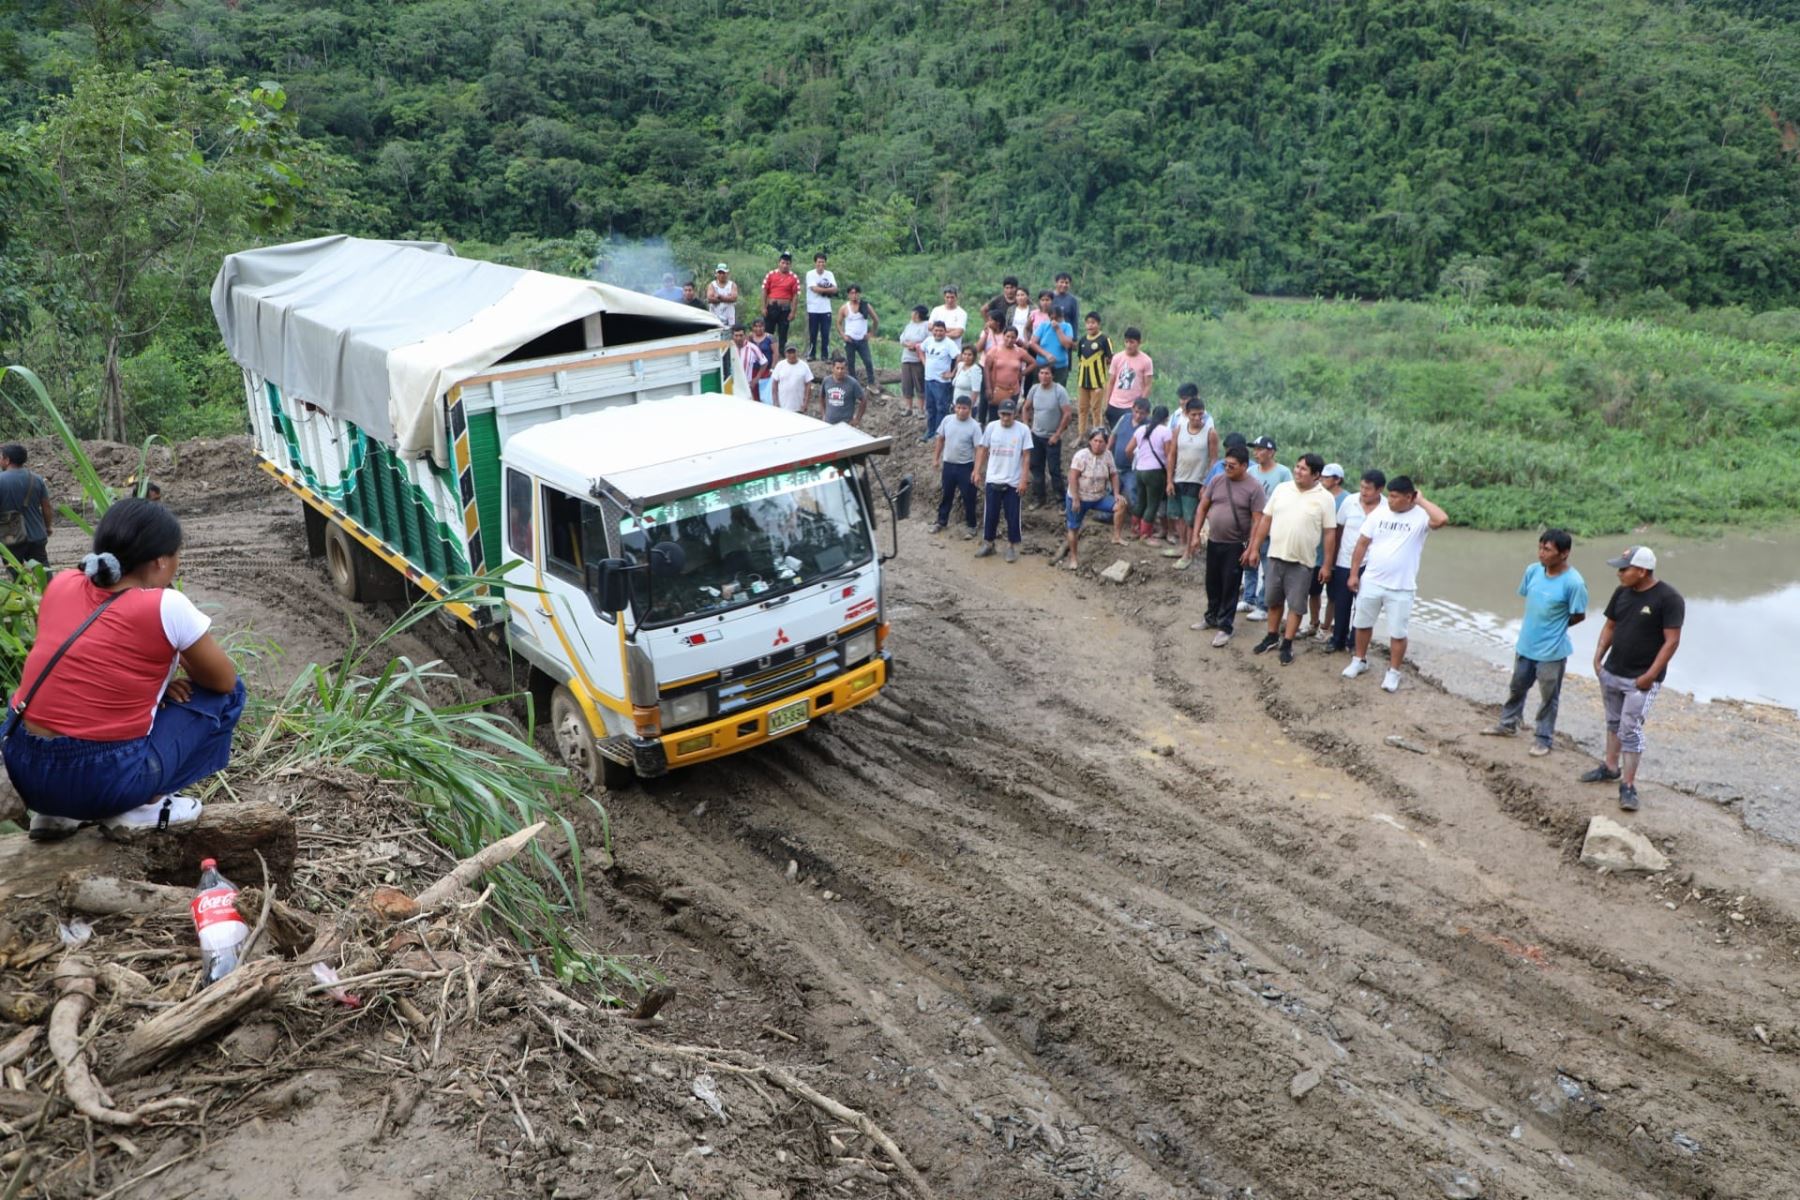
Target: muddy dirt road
[1082, 907]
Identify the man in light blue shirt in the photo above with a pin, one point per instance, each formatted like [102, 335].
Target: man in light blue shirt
[1555, 598]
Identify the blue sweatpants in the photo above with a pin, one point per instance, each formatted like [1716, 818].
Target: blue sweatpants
[89, 781]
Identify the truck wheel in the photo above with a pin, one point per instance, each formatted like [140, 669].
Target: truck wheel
[341, 563]
[575, 746]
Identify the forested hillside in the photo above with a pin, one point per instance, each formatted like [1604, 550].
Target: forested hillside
[1353, 147]
[1595, 162]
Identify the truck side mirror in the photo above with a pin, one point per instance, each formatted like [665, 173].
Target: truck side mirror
[903, 498]
[606, 583]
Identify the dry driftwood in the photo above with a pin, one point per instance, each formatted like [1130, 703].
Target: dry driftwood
[74, 977]
[19, 1046]
[234, 834]
[108, 895]
[198, 1017]
[470, 868]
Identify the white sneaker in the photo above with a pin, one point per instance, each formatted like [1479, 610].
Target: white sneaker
[1243, 606]
[1259, 613]
[1391, 681]
[163, 813]
[1220, 638]
[1357, 667]
[46, 828]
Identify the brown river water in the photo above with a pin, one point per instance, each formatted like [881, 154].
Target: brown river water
[1742, 636]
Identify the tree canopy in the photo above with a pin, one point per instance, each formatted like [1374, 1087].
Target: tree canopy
[1353, 147]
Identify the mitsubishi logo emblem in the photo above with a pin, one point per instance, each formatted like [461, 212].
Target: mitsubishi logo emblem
[781, 638]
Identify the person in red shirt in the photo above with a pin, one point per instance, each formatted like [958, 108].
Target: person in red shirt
[109, 731]
[780, 287]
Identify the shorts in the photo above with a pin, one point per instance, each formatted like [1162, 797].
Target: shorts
[1076, 511]
[1286, 582]
[1371, 598]
[1186, 502]
[1627, 708]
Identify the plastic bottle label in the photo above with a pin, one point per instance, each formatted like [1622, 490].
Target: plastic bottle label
[215, 906]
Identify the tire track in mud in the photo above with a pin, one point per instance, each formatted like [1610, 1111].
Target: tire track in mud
[921, 796]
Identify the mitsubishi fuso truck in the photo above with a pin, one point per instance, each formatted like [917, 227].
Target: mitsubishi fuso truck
[688, 573]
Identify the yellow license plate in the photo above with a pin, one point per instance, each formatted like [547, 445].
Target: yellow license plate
[787, 717]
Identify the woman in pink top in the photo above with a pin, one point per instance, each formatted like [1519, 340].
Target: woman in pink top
[1149, 450]
[102, 727]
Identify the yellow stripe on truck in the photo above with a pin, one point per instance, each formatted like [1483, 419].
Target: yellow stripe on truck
[742, 730]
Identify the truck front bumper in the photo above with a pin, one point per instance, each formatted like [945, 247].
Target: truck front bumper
[740, 731]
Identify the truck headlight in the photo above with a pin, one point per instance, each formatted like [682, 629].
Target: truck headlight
[684, 710]
[859, 647]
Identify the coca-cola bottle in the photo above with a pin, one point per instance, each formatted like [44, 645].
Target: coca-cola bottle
[217, 922]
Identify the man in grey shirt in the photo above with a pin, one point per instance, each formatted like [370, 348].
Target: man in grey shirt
[25, 511]
[957, 437]
[1048, 410]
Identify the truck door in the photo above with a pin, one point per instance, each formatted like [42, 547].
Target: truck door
[554, 535]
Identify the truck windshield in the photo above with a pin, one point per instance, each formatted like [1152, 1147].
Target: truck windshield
[747, 542]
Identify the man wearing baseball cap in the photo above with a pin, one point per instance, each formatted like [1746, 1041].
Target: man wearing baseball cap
[1000, 461]
[722, 296]
[1641, 634]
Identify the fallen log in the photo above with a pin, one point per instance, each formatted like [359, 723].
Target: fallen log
[108, 895]
[234, 834]
[231, 833]
[198, 1017]
[470, 868]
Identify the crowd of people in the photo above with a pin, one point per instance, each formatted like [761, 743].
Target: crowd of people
[1291, 548]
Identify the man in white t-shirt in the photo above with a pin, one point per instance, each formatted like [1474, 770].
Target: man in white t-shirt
[1384, 572]
[1353, 509]
[722, 296]
[790, 382]
[1000, 463]
[938, 352]
[821, 292]
[954, 316]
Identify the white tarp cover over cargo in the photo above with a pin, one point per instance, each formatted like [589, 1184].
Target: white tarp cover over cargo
[376, 332]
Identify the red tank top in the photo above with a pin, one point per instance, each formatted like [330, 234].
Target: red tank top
[106, 688]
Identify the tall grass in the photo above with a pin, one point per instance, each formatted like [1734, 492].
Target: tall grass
[475, 776]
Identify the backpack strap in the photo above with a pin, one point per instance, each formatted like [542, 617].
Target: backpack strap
[18, 712]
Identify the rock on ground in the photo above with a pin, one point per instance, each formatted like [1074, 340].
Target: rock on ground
[1620, 848]
[1119, 572]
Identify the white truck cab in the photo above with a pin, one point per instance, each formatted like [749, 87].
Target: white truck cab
[696, 576]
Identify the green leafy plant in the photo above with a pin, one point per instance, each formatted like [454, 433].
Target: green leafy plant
[474, 774]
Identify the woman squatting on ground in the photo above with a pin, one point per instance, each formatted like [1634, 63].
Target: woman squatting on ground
[102, 729]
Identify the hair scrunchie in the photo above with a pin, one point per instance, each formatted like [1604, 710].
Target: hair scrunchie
[102, 569]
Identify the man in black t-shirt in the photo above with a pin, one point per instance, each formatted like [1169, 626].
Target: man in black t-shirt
[1642, 633]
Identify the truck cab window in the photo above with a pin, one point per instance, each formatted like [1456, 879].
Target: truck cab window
[518, 515]
[574, 535]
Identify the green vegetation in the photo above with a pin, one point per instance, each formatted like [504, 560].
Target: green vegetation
[1622, 176]
[475, 777]
[1513, 417]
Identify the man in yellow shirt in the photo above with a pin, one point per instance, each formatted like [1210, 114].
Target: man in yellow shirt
[1299, 513]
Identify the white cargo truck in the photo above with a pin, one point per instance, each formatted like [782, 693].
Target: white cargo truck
[693, 573]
